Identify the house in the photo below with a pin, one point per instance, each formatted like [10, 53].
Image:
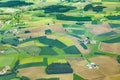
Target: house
[4, 70]
[2, 51]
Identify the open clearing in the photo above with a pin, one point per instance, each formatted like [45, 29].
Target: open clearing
[110, 47]
[108, 67]
[39, 72]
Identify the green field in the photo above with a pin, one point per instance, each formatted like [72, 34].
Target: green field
[47, 51]
[40, 33]
[8, 60]
[72, 50]
[76, 77]
[51, 42]
[30, 60]
[114, 40]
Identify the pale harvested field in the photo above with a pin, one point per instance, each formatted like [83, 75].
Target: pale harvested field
[57, 28]
[113, 77]
[99, 29]
[83, 71]
[39, 72]
[110, 47]
[110, 7]
[108, 67]
[39, 28]
[36, 24]
[34, 32]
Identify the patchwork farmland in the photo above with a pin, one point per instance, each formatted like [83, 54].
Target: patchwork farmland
[59, 40]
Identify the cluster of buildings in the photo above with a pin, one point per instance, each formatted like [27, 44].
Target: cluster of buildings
[91, 65]
[4, 70]
[2, 51]
[86, 40]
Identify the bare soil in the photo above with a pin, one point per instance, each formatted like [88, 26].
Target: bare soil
[39, 72]
[99, 29]
[110, 47]
[108, 67]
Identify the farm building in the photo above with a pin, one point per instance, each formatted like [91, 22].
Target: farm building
[4, 70]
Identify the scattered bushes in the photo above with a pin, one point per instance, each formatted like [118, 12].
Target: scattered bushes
[59, 68]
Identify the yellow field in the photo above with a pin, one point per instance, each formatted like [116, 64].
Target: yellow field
[37, 43]
[30, 60]
[55, 60]
[27, 44]
[65, 40]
